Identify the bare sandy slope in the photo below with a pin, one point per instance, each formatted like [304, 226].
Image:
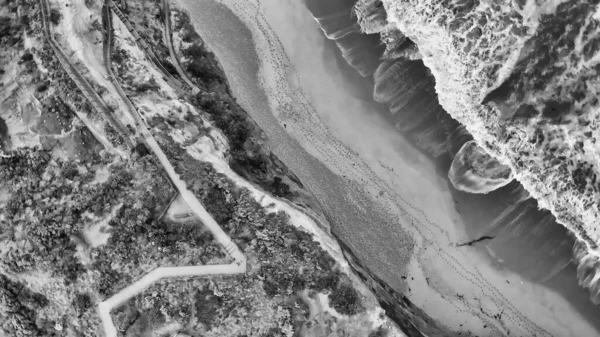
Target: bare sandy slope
[454, 285]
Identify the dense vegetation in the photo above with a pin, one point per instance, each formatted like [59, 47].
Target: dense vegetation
[20, 304]
[287, 260]
[54, 205]
[201, 64]
[247, 155]
[55, 16]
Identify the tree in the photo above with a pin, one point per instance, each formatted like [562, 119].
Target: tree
[141, 149]
[21, 305]
[207, 306]
[55, 16]
[346, 300]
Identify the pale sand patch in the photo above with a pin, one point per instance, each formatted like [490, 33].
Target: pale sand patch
[96, 232]
[179, 209]
[464, 291]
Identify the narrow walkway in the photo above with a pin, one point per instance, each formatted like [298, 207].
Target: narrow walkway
[239, 264]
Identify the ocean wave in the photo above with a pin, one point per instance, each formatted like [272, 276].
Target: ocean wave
[475, 171]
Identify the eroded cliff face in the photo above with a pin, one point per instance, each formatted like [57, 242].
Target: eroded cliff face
[521, 75]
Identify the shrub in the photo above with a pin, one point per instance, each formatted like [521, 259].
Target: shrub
[27, 56]
[326, 282]
[170, 67]
[141, 149]
[3, 129]
[55, 16]
[5, 26]
[207, 304]
[69, 170]
[217, 205]
[82, 302]
[346, 300]
[380, 332]
[201, 65]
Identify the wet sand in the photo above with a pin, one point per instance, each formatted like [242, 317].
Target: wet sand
[383, 198]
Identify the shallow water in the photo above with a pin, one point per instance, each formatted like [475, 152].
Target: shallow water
[375, 234]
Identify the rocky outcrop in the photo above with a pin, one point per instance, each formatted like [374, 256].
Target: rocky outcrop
[521, 75]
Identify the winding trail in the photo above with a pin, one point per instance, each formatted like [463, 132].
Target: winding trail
[238, 266]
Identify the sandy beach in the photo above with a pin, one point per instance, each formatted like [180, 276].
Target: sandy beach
[382, 197]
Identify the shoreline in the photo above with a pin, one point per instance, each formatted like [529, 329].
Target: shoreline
[430, 234]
